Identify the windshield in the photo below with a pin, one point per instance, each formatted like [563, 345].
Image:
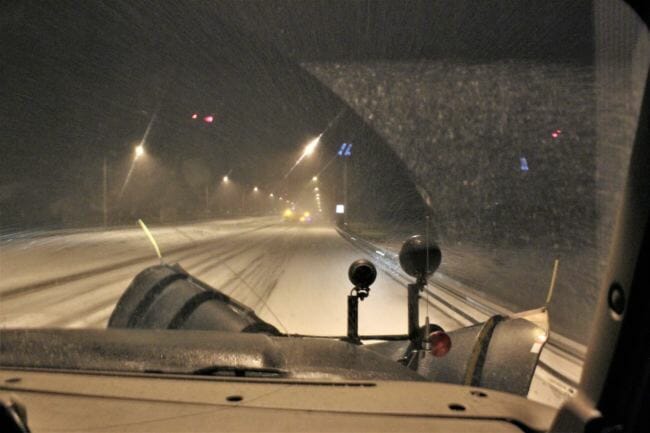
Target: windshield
[267, 145]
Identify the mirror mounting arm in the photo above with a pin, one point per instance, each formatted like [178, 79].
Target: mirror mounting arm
[353, 318]
[415, 335]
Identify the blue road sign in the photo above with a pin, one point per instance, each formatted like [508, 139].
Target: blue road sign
[345, 150]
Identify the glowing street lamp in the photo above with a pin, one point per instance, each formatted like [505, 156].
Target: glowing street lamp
[314, 179]
[309, 150]
[139, 151]
[311, 146]
[225, 179]
[255, 189]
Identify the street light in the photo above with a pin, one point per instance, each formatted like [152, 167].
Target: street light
[139, 151]
[225, 179]
[309, 149]
[314, 179]
[311, 146]
[271, 195]
[255, 189]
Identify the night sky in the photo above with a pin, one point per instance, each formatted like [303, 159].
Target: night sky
[81, 82]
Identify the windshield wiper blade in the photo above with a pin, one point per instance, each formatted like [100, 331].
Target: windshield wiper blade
[217, 370]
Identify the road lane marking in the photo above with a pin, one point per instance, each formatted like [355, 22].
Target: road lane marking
[44, 284]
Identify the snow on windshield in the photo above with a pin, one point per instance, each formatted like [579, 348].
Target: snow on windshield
[267, 145]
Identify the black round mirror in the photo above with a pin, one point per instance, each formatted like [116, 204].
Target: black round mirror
[362, 273]
[418, 259]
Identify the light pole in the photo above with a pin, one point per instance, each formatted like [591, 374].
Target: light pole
[345, 152]
[309, 149]
[207, 198]
[243, 201]
[345, 191]
[227, 195]
[105, 193]
[137, 153]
